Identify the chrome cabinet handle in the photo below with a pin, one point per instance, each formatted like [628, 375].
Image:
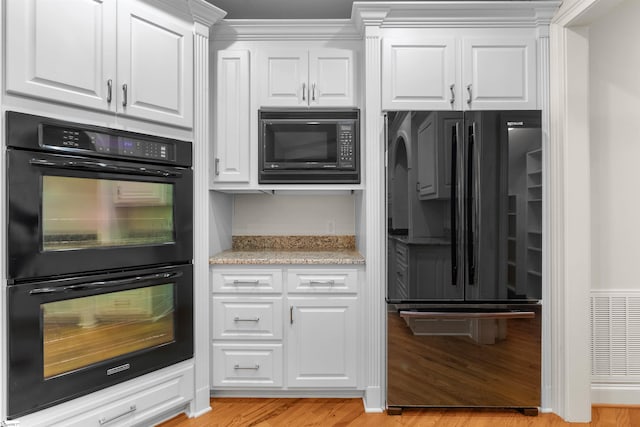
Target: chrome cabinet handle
[453, 94]
[103, 421]
[217, 166]
[470, 94]
[322, 282]
[124, 93]
[252, 368]
[109, 90]
[313, 92]
[291, 314]
[246, 282]
[239, 319]
[304, 90]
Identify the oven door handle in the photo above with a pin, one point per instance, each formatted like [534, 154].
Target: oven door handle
[511, 314]
[103, 167]
[104, 283]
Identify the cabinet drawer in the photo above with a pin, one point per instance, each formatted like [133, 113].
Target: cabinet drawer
[247, 365]
[253, 281]
[247, 318]
[322, 280]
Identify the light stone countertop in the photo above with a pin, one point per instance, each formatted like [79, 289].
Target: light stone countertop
[318, 257]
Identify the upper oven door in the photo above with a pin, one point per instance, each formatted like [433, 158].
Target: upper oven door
[73, 214]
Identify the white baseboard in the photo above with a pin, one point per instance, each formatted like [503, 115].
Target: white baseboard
[615, 394]
[372, 400]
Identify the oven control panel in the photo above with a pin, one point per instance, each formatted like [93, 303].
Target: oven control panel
[106, 144]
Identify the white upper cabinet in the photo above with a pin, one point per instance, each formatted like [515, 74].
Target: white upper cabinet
[301, 78]
[155, 65]
[499, 73]
[62, 51]
[419, 74]
[460, 73]
[124, 57]
[232, 113]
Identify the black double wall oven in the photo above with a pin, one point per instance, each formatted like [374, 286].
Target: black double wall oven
[99, 258]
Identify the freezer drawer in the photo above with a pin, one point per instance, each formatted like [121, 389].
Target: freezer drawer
[463, 356]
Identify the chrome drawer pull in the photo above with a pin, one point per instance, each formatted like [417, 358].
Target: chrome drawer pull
[103, 421]
[251, 368]
[238, 319]
[322, 282]
[246, 282]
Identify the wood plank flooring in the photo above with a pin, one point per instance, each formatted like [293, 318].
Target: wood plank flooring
[244, 412]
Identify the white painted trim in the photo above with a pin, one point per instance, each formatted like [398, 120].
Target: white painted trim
[286, 29]
[615, 394]
[374, 215]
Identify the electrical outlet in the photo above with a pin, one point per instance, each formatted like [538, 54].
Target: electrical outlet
[331, 227]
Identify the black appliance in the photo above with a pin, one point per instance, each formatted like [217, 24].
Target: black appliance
[309, 146]
[99, 253]
[84, 198]
[71, 336]
[464, 260]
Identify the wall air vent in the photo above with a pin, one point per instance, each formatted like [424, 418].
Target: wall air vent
[615, 335]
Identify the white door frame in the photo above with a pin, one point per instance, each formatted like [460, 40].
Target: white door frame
[570, 222]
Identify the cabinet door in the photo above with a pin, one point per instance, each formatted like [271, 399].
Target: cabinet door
[322, 342]
[232, 117]
[331, 76]
[419, 75]
[284, 78]
[499, 74]
[62, 51]
[155, 65]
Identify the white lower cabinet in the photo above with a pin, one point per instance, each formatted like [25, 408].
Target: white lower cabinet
[322, 342]
[284, 328]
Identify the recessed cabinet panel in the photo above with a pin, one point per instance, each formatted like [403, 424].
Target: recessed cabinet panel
[322, 281]
[61, 50]
[247, 365]
[285, 78]
[419, 75]
[500, 74]
[322, 342]
[247, 281]
[155, 64]
[232, 117]
[331, 77]
[247, 318]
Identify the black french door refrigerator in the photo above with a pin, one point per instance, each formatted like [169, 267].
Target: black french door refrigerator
[464, 288]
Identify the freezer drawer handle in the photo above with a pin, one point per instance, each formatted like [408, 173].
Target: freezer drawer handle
[252, 368]
[467, 315]
[103, 167]
[104, 283]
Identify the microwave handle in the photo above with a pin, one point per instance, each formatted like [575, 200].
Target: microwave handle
[103, 167]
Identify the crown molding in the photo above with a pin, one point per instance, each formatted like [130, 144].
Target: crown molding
[454, 14]
[205, 13]
[286, 29]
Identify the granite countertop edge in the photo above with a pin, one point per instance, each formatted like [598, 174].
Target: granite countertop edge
[274, 257]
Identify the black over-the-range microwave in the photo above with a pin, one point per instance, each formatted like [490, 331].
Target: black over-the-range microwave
[299, 146]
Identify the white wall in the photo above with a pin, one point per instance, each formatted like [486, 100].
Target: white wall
[615, 147]
[287, 215]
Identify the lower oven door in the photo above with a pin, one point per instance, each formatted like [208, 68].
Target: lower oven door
[74, 214]
[70, 337]
[463, 357]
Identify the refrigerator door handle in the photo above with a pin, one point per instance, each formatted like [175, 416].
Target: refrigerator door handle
[511, 314]
[471, 196]
[454, 205]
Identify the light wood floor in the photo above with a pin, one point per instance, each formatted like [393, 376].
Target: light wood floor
[349, 412]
